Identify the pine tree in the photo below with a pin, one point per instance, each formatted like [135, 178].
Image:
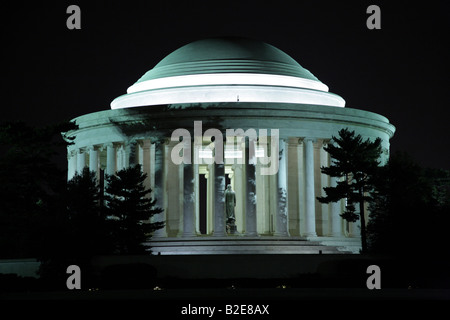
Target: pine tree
[130, 210]
[75, 230]
[86, 215]
[30, 180]
[355, 162]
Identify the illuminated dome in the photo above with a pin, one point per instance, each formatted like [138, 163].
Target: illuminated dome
[227, 70]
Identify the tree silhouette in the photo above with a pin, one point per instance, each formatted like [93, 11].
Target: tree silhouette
[130, 210]
[30, 182]
[76, 229]
[87, 216]
[407, 200]
[355, 162]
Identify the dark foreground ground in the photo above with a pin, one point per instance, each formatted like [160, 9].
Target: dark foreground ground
[239, 294]
[238, 286]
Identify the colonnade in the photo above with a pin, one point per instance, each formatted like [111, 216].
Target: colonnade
[287, 212]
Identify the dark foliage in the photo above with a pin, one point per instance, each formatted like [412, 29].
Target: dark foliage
[30, 184]
[354, 162]
[130, 210]
[409, 204]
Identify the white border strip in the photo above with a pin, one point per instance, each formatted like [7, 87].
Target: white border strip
[227, 79]
[203, 94]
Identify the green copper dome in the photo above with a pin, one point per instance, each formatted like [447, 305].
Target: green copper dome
[227, 55]
[227, 70]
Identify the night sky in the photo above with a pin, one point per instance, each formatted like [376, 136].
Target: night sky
[53, 74]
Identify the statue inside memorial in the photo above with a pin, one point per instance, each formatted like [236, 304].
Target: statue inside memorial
[230, 204]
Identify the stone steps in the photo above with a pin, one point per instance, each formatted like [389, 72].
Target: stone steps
[348, 244]
[241, 245]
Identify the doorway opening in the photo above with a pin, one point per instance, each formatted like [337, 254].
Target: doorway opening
[203, 199]
[227, 180]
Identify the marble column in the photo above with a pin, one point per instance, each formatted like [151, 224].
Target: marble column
[94, 161]
[239, 188]
[281, 222]
[110, 159]
[219, 194]
[188, 195]
[250, 187]
[120, 157]
[72, 164]
[310, 201]
[81, 161]
[301, 185]
[131, 154]
[160, 186]
[335, 210]
[144, 161]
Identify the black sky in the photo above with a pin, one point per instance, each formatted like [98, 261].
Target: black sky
[53, 74]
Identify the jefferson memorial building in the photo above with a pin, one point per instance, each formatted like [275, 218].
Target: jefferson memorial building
[230, 111]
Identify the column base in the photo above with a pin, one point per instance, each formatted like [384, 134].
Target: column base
[188, 235]
[335, 235]
[217, 235]
[281, 234]
[160, 233]
[251, 234]
[221, 233]
[309, 235]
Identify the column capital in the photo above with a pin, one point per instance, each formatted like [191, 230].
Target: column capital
[110, 145]
[145, 143]
[153, 140]
[322, 143]
[130, 142]
[72, 153]
[92, 148]
[312, 139]
[160, 140]
[306, 139]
